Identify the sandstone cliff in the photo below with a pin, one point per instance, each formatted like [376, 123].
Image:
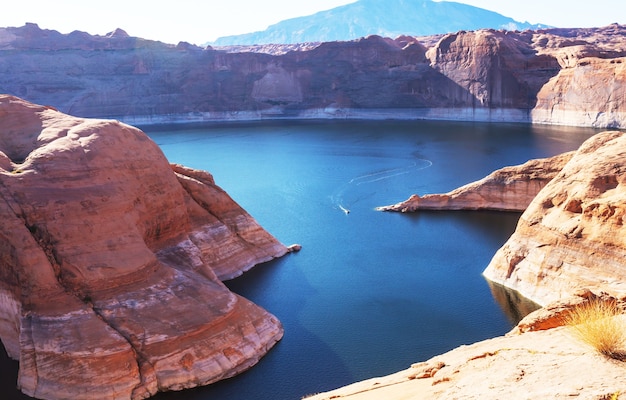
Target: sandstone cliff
[111, 260]
[573, 234]
[507, 189]
[556, 76]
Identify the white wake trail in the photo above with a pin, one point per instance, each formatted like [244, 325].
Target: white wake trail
[337, 198]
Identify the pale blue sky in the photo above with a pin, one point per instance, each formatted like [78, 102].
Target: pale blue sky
[200, 21]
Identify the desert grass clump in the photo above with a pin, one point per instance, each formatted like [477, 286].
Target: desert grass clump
[597, 323]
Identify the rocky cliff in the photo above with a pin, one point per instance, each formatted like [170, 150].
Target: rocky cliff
[557, 76]
[573, 233]
[111, 261]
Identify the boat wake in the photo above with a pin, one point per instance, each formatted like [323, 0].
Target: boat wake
[349, 193]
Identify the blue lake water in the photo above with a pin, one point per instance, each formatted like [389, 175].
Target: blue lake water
[370, 293]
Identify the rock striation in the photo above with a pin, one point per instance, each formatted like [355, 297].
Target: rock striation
[573, 234]
[111, 263]
[554, 76]
[507, 189]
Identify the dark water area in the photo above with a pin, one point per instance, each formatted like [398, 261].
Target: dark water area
[370, 293]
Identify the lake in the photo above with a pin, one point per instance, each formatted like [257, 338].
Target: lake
[371, 292]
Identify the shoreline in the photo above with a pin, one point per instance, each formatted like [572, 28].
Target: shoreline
[465, 114]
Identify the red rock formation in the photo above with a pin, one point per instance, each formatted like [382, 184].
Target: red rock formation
[111, 260]
[573, 234]
[507, 189]
[497, 69]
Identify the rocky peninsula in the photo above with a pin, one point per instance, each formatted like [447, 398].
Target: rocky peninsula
[507, 189]
[571, 233]
[552, 76]
[112, 261]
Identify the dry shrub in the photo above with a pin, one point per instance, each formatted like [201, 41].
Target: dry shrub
[597, 324]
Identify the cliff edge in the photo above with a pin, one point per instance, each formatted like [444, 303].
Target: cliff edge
[111, 261]
[573, 234]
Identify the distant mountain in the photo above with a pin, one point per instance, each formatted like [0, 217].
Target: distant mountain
[388, 18]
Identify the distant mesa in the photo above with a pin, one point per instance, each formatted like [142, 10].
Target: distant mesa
[388, 18]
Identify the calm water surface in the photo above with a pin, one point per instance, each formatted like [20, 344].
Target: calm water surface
[370, 293]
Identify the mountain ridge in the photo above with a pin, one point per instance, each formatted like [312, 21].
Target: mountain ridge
[375, 17]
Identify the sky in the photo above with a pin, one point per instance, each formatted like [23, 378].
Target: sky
[202, 21]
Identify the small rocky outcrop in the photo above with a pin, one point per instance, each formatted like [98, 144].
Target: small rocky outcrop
[573, 234]
[111, 262]
[507, 189]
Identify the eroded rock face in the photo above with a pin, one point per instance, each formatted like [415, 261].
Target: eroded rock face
[555, 76]
[573, 234]
[507, 189]
[111, 260]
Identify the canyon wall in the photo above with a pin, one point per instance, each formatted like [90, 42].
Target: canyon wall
[111, 262]
[556, 76]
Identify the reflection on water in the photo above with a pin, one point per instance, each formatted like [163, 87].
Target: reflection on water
[513, 304]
